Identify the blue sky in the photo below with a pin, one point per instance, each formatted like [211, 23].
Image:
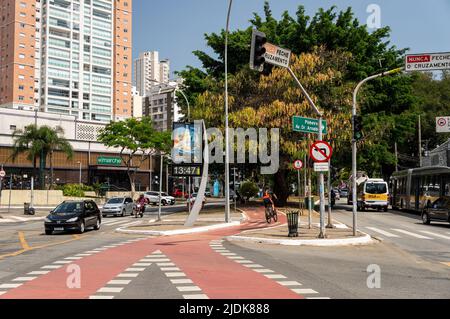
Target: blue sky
[175, 28]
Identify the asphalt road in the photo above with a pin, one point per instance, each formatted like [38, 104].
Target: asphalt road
[114, 265]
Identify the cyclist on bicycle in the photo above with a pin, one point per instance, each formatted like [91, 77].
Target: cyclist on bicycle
[267, 198]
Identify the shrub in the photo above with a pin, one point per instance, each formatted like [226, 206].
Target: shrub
[73, 190]
[248, 190]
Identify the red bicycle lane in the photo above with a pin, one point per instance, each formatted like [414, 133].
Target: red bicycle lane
[219, 277]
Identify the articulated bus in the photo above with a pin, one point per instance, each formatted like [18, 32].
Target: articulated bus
[416, 189]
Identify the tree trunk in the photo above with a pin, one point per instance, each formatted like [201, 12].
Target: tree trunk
[42, 165]
[51, 170]
[281, 187]
[131, 177]
[34, 168]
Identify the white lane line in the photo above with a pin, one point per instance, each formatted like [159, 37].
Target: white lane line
[253, 266]
[157, 252]
[289, 283]
[110, 289]
[73, 258]
[51, 267]
[410, 234]
[434, 234]
[156, 260]
[170, 269]
[92, 252]
[200, 296]
[101, 297]
[188, 289]
[304, 291]
[127, 275]
[134, 269]
[63, 262]
[236, 257]
[34, 273]
[181, 281]
[228, 254]
[9, 286]
[175, 274]
[242, 261]
[382, 232]
[3, 292]
[276, 276]
[141, 264]
[99, 249]
[119, 282]
[165, 264]
[24, 278]
[264, 271]
[115, 223]
[156, 256]
[83, 255]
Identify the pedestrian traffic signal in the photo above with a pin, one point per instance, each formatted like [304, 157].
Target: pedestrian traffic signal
[358, 128]
[258, 51]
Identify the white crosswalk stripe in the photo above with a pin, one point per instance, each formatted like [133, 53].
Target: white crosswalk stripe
[383, 232]
[410, 233]
[434, 234]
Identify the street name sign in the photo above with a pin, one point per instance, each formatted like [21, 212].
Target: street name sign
[321, 152]
[298, 165]
[277, 56]
[307, 125]
[443, 124]
[427, 62]
[321, 167]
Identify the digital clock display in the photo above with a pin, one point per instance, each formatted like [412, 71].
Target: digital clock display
[187, 170]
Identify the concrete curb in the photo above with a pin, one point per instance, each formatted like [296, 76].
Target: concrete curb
[194, 230]
[362, 240]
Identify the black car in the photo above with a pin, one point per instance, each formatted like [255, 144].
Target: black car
[73, 216]
[438, 211]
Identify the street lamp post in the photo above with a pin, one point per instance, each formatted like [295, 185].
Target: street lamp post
[227, 137]
[354, 143]
[79, 163]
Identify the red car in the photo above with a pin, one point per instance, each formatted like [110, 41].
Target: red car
[178, 193]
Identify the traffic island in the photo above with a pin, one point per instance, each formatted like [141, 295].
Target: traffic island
[340, 235]
[174, 224]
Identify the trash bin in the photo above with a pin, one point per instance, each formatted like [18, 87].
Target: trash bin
[307, 202]
[292, 218]
[27, 209]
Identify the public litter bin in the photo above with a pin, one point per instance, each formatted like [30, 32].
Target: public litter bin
[292, 218]
[27, 209]
[307, 204]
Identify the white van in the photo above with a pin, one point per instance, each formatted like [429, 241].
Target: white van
[373, 193]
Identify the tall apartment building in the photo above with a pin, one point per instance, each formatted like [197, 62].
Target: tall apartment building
[149, 71]
[67, 57]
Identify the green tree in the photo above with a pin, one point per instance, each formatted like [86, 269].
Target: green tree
[248, 190]
[137, 140]
[40, 142]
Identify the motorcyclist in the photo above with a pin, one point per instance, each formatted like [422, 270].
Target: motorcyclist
[141, 201]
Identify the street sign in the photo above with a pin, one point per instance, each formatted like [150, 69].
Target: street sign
[443, 124]
[277, 56]
[2, 173]
[307, 125]
[321, 152]
[321, 167]
[298, 165]
[427, 62]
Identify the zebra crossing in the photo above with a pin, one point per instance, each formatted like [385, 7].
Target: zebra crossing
[407, 234]
[120, 222]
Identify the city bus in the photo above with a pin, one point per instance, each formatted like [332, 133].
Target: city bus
[416, 189]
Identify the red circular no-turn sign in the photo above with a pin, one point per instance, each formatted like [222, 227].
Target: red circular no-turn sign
[442, 121]
[321, 152]
[298, 165]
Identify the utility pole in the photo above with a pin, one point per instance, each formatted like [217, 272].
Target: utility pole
[420, 141]
[330, 222]
[396, 157]
[160, 185]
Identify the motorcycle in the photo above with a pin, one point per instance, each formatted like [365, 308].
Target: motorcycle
[139, 210]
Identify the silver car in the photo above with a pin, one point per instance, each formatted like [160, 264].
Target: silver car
[118, 206]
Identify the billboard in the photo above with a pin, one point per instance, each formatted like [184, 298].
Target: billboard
[187, 151]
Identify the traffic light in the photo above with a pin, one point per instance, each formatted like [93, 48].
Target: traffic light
[267, 69]
[358, 128]
[258, 50]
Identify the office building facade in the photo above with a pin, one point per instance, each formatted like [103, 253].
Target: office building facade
[150, 72]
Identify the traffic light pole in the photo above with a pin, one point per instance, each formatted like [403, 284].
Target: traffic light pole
[354, 144]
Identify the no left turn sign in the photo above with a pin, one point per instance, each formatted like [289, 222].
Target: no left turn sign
[321, 152]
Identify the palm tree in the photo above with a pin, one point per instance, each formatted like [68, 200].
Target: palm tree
[40, 142]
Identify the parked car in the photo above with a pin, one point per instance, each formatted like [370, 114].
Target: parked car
[344, 192]
[438, 211]
[118, 206]
[337, 194]
[153, 198]
[73, 216]
[194, 198]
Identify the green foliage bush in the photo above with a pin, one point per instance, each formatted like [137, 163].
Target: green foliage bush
[248, 189]
[75, 190]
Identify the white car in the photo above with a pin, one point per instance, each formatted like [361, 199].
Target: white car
[118, 206]
[153, 198]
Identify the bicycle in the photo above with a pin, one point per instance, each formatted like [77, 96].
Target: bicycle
[271, 214]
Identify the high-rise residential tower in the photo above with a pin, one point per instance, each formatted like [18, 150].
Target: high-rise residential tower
[149, 71]
[67, 57]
